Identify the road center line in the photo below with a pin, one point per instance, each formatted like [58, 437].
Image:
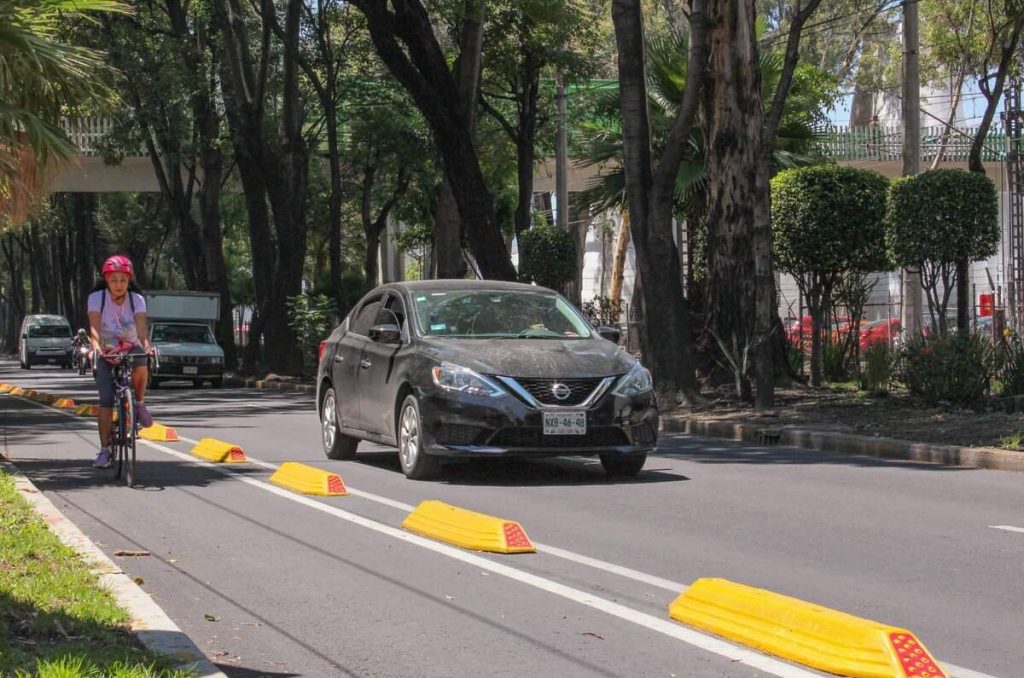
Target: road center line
[657, 624]
[1008, 528]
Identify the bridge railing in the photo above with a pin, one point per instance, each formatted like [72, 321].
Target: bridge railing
[87, 132]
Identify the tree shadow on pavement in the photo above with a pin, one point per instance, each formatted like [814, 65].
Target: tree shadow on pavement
[709, 451]
[518, 471]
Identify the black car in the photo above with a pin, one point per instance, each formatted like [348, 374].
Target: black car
[466, 368]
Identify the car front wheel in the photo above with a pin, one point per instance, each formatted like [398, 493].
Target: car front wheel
[416, 464]
[337, 445]
[623, 465]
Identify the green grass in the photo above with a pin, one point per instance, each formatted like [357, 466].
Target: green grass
[55, 619]
[1014, 441]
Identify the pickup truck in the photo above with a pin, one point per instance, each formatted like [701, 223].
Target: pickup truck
[181, 329]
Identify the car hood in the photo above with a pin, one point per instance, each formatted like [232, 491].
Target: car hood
[188, 348]
[533, 358]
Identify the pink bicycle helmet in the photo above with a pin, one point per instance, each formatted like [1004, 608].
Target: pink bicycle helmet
[118, 264]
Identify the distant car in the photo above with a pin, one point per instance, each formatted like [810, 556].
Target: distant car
[878, 332]
[797, 328]
[462, 368]
[44, 339]
[186, 351]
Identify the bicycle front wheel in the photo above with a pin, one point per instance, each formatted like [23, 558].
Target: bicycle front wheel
[117, 441]
[128, 417]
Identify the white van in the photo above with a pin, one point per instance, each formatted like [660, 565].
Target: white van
[44, 339]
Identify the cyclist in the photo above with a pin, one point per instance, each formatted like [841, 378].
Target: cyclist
[117, 323]
[81, 339]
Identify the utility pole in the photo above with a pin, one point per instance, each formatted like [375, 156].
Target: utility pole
[561, 157]
[911, 320]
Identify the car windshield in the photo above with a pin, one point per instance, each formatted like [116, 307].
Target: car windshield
[195, 334]
[60, 331]
[497, 314]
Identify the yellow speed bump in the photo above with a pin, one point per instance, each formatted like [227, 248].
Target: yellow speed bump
[88, 410]
[803, 632]
[18, 391]
[470, 530]
[219, 451]
[41, 397]
[159, 433]
[308, 480]
[6, 388]
[65, 404]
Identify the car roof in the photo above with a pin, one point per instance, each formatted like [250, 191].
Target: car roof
[454, 284]
[49, 319]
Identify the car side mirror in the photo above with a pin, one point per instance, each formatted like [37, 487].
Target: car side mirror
[386, 334]
[609, 333]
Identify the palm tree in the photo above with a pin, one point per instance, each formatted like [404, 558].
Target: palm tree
[40, 75]
[796, 142]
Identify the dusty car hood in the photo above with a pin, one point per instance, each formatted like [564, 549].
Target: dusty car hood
[537, 358]
[188, 348]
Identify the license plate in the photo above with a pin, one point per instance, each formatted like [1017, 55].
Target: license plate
[565, 423]
[190, 370]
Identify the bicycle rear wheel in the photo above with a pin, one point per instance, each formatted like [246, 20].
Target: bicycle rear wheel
[128, 417]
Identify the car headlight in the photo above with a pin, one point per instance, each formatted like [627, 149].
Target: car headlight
[636, 381]
[464, 380]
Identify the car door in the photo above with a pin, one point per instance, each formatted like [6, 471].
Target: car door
[345, 363]
[377, 378]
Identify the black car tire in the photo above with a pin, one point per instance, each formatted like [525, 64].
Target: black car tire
[154, 383]
[217, 383]
[198, 383]
[416, 464]
[27, 365]
[336, 444]
[623, 464]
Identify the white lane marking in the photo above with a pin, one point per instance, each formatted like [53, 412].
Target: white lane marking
[1008, 528]
[622, 571]
[671, 629]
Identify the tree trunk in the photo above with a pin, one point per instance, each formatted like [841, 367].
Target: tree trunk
[619, 263]
[650, 193]
[524, 199]
[734, 119]
[448, 234]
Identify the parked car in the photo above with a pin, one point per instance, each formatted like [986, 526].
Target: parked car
[44, 339]
[462, 368]
[796, 328]
[879, 332]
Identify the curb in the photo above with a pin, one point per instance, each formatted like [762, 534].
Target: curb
[150, 624]
[247, 382]
[847, 443]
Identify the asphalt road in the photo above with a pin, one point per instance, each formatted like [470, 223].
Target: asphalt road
[271, 583]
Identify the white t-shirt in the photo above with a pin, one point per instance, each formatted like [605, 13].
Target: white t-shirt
[117, 322]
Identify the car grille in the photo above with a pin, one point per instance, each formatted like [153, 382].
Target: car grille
[579, 389]
[603, 436]
[461, 434]
[644, 434]
[189, 359]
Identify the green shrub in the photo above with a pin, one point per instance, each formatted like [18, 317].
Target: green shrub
[312, 318]
[877, 372]
[954, 367]
[551, 256]
[835, 363]
[796, 357]
[1009, 357]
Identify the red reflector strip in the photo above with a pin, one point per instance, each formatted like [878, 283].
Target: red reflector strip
[237, 454]
[335, 486]
[914, 659]
[515, 537]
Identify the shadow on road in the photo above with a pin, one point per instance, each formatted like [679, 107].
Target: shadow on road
[707, 451]
[516, 472]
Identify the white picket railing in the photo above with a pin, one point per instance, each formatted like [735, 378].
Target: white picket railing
[86, 133]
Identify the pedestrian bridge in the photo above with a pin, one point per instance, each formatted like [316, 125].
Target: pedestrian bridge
[877, 148]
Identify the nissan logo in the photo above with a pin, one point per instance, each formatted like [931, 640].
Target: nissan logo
[561, 391]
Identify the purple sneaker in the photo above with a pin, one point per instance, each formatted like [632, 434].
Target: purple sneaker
[102, 459]
[143, 415]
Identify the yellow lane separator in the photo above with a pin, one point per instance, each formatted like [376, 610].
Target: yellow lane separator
[219, 451]
[468, 529]
[159, 433]
[803, 632]
[308, 480]
[65, 404]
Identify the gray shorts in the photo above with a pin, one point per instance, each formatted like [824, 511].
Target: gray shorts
[105, 375]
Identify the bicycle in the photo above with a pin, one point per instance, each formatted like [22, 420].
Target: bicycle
[125, 430]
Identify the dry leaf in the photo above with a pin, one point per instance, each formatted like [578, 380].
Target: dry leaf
[592, 635]
[132, 554]
[210, 617]
[139, 580]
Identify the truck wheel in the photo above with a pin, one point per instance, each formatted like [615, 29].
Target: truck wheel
[218, 382]
[198, 383]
